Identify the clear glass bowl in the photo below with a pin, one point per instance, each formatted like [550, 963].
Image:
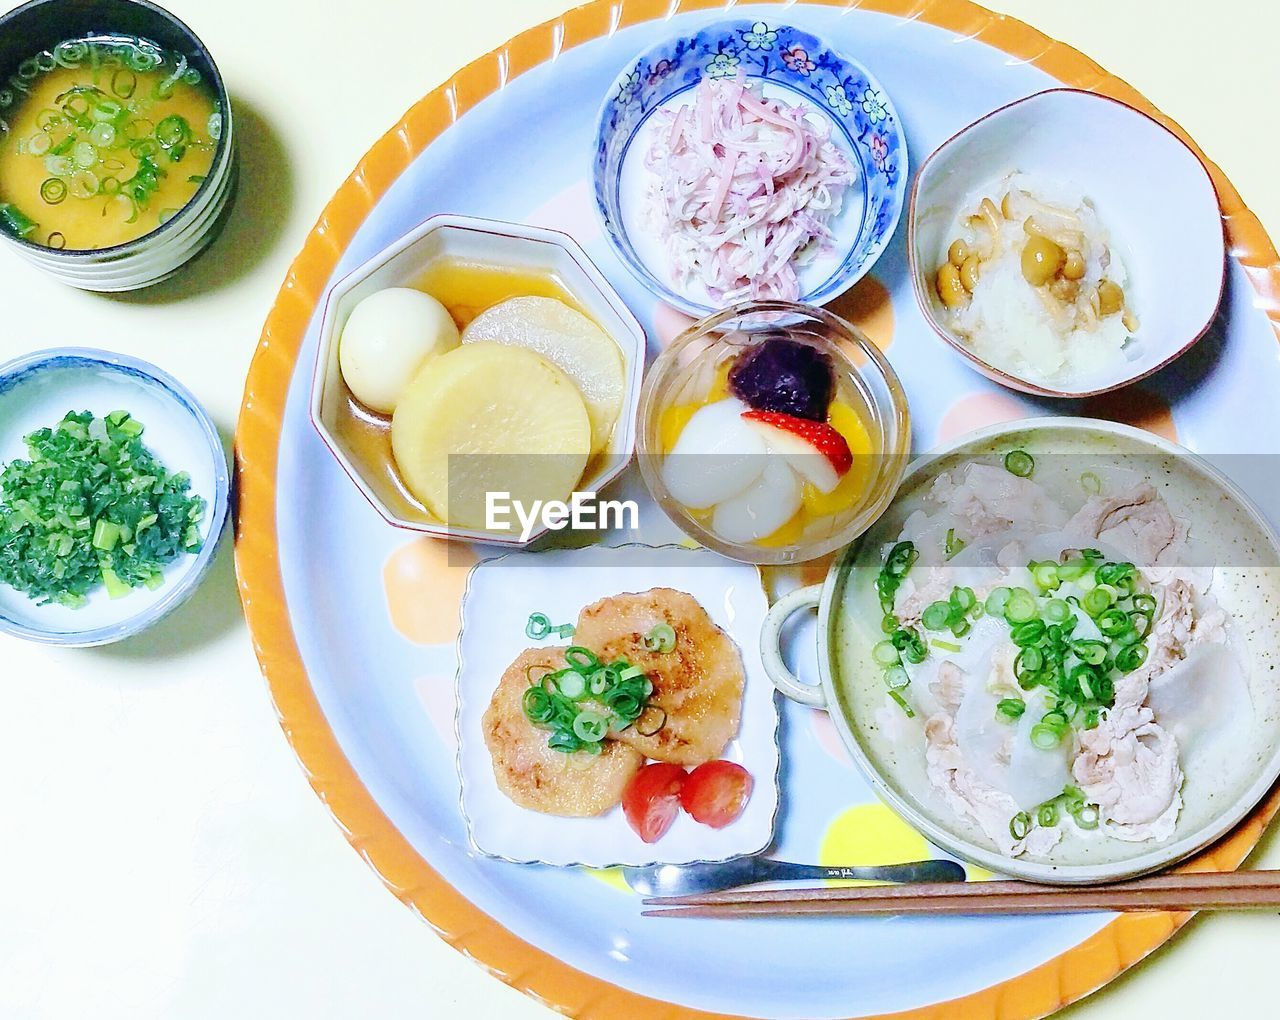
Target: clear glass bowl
[687, 373]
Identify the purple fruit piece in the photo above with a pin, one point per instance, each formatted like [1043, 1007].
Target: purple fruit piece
[784, 375]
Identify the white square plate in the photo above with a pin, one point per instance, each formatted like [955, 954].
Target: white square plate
[501, 594]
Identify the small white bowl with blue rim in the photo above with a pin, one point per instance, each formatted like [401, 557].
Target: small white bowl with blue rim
[790, 65]
[37, 390]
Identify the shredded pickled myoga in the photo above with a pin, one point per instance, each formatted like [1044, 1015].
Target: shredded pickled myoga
[743, 190]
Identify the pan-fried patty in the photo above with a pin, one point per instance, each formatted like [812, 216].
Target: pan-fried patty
[531, 773]
[698, 684]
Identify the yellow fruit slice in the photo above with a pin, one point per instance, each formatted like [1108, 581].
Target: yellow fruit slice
[571, 342]
[672, 423]
[487, 418]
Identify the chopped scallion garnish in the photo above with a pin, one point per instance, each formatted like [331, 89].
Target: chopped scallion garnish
[586, 700]
[661, 639]
[1020, 463]
[91, 505]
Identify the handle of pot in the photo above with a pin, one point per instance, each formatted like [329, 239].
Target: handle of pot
[771, 646]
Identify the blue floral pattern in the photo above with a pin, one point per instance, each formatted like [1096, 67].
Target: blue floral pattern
[628, 87]
[759, 37]
[873, 105]
[838, 100]
[723, 65]
[787, 57]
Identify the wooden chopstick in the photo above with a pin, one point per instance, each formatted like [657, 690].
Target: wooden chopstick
[1231, 890]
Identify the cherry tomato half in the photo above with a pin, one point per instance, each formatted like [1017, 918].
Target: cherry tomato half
[651, 800]
[716, 792]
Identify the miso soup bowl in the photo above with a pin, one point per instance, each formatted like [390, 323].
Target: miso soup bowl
[39, 26]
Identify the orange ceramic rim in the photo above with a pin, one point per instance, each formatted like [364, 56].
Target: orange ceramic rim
[1039, 991]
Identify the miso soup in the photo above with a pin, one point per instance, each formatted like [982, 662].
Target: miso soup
[102, 140]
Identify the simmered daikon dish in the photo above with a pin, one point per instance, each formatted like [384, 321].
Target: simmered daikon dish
[1032, 282]
[102, 140]
[480, 378]
[1061, 650]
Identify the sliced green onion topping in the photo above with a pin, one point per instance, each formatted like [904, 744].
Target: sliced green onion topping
[902, 703]
[14, 221]
[92, 506]
[1092, 652]
[1096, 600]
[1020, 463]
[1020, 607]
[1113, 622]
[53, 190]
[590, 727]
[1028, 633]
[558, 699]
[997, 600]
[1057, 611]
[1087, 817]
[1010, 709]
[1131, 658]
[661, 639]
[885, 654]
[1047, 814]
[937, 616]
[1073, 569]
[1045, 737]
[1045, 575]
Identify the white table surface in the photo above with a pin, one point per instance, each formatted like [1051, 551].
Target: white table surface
[162, 855]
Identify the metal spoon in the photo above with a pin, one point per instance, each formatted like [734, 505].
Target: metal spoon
[685, 879]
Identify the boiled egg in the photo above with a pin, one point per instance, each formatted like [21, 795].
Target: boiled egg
[387, 339]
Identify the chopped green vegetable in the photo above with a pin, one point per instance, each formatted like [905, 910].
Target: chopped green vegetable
[904, 642]
[582, 703]
[1010, 709]
[661, 639]
[14, 221]
[540, 627]
[1020, 463]
[91, 505]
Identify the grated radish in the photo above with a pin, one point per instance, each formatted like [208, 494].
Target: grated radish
[743, 190]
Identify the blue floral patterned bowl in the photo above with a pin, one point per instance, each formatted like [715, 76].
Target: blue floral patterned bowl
[795, 67]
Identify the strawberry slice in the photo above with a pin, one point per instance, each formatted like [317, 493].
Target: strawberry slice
[798, 439]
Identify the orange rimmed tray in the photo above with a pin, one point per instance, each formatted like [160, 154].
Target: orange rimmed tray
[1038, 990]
